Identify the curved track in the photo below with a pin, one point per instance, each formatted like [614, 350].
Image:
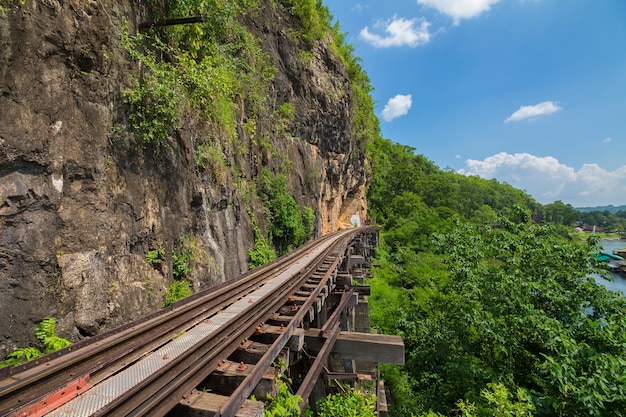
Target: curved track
[148, 366]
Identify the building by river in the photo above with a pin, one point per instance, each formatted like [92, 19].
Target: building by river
[619, 281]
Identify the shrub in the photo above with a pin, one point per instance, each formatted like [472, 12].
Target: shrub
[349, 403]
[286, 404]
[177, 290]
[289, 225]
[262, 252]
[46, 333]
[188, 250]
[155, 257]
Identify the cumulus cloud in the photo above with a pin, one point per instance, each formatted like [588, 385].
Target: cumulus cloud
[548, 180]
[526, 112]
[398, 32]
[459, 9]
[606, 140]
[396, 107]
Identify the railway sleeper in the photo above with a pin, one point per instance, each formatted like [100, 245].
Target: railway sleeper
[279, 319]
[308, 287]
[228, 375]
[270, 333]
[206, 404]
[254, 352]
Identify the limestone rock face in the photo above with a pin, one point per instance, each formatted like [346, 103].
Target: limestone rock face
[81, 206]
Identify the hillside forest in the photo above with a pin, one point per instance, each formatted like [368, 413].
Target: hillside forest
[492, 297]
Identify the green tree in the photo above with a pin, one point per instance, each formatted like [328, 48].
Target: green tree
[560, 213]
[519, 309]
[290, 225]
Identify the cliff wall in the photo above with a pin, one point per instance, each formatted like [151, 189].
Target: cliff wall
[81, 204]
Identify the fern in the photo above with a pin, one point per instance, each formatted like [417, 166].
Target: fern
[45, 328]
[21, 355]
[46, 333]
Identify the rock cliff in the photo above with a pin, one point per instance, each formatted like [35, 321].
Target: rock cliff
[81, 204]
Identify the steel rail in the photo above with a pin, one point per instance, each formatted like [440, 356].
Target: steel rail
[245, 388]
[179, 375]
[28, 383]
[341, 306]
[163, 398]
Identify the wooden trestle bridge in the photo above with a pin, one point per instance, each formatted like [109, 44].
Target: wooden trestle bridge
[207, 354]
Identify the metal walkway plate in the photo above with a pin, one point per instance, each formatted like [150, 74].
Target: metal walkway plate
[106, 391]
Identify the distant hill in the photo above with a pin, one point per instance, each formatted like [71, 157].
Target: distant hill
[611, 208]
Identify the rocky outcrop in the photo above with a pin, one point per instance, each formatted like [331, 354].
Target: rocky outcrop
[81, 205]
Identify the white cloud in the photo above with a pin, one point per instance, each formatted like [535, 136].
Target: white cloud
[459, 9]
[606, 140]
[525, 112]
[548, 180]
[399, 32]
[396, 107]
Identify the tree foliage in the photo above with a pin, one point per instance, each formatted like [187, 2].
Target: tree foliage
[290, 225]
[604, 218]
[205, 68]
[487, 300]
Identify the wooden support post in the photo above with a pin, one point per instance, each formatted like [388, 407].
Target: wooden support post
[311, 377]
[382, 407]
[346, 299]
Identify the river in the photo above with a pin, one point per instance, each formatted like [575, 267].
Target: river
[619, 281]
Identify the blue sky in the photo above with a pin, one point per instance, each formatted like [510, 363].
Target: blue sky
[531, 92]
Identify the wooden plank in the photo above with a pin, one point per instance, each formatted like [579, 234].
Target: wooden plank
[380, 348]
[346, 300]
[206, 404]
[228, 376]
[356, 260]
[362, 289]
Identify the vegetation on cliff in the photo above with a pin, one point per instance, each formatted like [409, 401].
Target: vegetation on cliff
[218, 71]
[141, 136]
[46, 332]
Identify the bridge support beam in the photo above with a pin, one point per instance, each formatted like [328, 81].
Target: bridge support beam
[357, 346]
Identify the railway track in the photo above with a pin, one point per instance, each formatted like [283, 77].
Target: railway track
[147, 367]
